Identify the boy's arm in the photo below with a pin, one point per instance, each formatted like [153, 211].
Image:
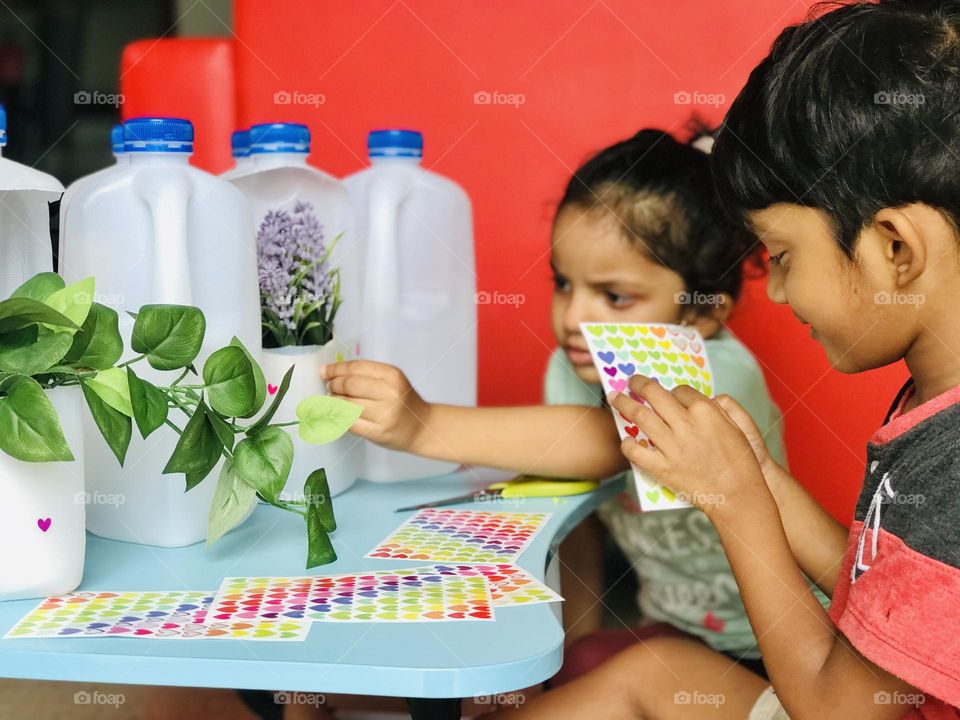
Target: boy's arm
[554, 441]
[816, 539]
[815, 671]
[697, 449]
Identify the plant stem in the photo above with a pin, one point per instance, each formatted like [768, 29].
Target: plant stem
[178, 430]
[131, 361]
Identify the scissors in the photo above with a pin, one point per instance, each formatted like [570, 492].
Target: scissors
[522, 486]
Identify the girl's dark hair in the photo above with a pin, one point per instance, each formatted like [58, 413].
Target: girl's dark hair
[661, 192]
[853, 111]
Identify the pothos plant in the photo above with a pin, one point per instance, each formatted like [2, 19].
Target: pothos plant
[53, 335]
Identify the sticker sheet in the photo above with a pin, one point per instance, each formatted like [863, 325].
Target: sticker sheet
[382, 596]
[671, 354]
[253, 598]
[462, 536]
[162, 615]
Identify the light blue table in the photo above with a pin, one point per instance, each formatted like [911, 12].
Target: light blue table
[412, 660]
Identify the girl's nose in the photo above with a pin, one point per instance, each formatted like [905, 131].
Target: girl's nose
[575, 313]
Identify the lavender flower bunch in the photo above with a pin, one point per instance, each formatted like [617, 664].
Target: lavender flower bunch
[299, 291]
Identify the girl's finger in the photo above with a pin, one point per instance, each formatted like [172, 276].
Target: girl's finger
[356, 387]
[643, 417]
[374, 369]
[659, 399]
[372, 409]
[365, 428]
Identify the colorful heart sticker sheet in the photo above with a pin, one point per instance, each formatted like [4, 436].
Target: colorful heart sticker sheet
[254, 598]
[161, 615]
[671, 354]
[382, 596]
[463, 536]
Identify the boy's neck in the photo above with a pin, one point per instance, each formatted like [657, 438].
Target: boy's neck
[934, 362]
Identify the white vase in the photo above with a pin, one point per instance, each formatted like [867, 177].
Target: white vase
[42, 514]
[341, 458]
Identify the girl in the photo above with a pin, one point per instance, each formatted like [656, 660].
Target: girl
[638, 237]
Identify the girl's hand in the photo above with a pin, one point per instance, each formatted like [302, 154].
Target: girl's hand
[695, 448]
[394, 415]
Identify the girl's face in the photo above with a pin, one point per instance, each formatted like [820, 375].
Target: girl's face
[841, 300]
[600, 276]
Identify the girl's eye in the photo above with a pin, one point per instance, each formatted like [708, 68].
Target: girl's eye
[617, 299]
[777, 259]
[560, 283]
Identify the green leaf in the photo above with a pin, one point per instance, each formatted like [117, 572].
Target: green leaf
[149, 404]
[112, 387]
[30, 351]
[319, 548]
[18, 312]
[264, 461]
[231, 502]
[40, 286]
[97, 344]
[169, 335]
[198, 449]
[29, 427]
[323, 419]
[274, 406]
[115, 427]
[260, 382]
[231, 385]
[74, 301]
[316, 493]
[223, 429]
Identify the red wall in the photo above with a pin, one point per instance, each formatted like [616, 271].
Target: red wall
[590, 73]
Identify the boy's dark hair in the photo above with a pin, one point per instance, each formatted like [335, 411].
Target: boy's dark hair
[853, 111]
[661, 192]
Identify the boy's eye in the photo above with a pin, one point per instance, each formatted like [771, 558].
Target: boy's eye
[777, 259]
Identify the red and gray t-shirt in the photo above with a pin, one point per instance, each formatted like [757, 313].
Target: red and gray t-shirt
[897, 598]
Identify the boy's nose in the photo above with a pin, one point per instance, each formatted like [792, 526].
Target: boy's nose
[775, 289]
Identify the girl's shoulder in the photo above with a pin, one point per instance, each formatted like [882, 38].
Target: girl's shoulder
[561, 386]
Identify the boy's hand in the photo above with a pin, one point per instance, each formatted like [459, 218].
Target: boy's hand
[394, 415]
[749, 428]
[696, 448]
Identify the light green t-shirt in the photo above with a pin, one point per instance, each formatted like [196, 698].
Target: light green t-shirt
[684, 576]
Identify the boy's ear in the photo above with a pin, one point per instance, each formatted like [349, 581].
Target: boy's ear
[709, 319]
[903, 234]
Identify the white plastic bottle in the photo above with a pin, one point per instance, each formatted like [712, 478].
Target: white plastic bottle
[419, 308]
[240, 151]
[281, 188]
[25, 247]
[157, 230]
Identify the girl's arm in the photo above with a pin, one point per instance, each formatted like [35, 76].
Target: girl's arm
[697, 449]
[816, 539]
[554, 441]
